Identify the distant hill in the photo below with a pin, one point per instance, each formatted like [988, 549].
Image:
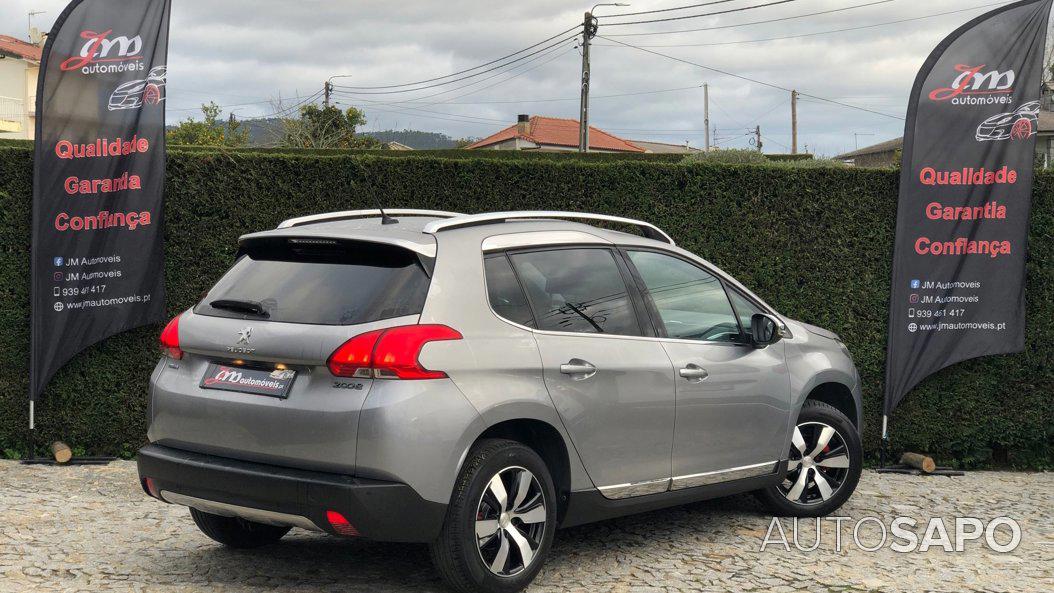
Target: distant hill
[415, 139]
[265, 132]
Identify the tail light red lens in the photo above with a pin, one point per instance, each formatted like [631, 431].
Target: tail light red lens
[390, 353]
[170, 339]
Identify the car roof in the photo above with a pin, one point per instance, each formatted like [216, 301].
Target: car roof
[418, 230]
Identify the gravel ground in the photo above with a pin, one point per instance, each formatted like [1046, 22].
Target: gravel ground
[92, 529]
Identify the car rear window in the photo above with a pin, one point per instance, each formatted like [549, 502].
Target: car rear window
[321, 282]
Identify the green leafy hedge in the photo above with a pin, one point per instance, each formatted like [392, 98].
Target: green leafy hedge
[816, 243]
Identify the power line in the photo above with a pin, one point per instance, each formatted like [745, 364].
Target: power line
[753, 80]
[452, 74]
[818, 33]
[777, 20]
[705, 14]
[669, 9]
[416, 100]
[439, 84]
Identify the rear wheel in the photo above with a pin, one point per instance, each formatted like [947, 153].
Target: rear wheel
[823, 466]
[500, 522]
[237, 533]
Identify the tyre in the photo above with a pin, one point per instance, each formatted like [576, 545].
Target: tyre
[823, 467]
[237, 533]
[500, 523]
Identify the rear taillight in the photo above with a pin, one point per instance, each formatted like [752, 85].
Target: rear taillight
[170, 339]
[390, 353]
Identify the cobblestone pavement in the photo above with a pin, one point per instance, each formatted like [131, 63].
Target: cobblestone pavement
[92, 529]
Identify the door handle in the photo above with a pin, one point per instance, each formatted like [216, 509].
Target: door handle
[578, 369]
[694, 373]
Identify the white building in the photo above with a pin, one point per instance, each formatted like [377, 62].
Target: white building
[19, 65]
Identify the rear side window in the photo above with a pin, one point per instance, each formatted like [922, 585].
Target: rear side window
[506, 296]
[320, 282]
[577, 290]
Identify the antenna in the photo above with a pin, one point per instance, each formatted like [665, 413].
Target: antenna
[29, 19]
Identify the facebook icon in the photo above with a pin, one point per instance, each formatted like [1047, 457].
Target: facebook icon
[915, 284]
[58, 261]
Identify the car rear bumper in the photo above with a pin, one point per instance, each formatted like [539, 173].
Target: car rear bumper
[385, 511]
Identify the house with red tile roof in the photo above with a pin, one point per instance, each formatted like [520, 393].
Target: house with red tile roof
[551, 134]
[19, 66]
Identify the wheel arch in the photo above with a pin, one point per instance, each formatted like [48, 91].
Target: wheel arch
[837, 395]
[546, 440]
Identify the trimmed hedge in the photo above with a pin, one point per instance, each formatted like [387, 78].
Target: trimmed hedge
[816, 243]
[442, 153]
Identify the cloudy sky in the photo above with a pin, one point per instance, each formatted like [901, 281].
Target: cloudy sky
[249, 55]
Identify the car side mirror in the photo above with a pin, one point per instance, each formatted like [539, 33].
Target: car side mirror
[765, 330]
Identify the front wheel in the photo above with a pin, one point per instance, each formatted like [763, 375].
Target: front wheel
[501, 520]
[823, 466]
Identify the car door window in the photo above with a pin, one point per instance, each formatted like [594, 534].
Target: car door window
[503, 289]
[577, 290]
[745, 309]
[690, 301]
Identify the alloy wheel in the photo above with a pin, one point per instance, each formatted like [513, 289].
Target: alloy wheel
[818, 464]
[510, 521]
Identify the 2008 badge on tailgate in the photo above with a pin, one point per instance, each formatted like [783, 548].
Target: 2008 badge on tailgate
[247, 380]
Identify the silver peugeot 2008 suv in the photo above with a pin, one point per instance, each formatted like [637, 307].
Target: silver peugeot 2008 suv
[477, 381]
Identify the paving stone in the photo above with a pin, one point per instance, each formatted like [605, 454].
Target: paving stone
[72, 529]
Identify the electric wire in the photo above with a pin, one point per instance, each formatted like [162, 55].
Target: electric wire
[452, 74]
[775, 20]
[830, 32]
[668, 9]
[439, 84]
[697, 16]
[754, 80]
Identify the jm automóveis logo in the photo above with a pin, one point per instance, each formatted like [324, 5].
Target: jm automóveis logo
[974, 86]
[103, 53]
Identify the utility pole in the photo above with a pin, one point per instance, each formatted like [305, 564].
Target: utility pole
[588, 30]
[328, 90]
[794, 122]
[706, 114]
[757, 136]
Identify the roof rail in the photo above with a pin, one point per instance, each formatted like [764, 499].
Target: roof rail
[353, 214]
[649, 230]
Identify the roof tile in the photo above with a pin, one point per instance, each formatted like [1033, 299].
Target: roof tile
[555, 131]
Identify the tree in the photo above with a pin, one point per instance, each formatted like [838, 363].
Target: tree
[210, 132]
[326, 127]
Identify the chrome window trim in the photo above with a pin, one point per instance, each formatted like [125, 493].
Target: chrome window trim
[546, 332]
[353, 214]
[650, 231]
[232, 510]
[723, 475]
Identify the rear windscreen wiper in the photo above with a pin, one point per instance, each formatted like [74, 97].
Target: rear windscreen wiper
[251, 307]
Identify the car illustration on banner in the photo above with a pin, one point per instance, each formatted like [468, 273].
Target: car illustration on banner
[134, 94]
[1019, 124]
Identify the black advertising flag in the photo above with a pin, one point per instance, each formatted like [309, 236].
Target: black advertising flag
[98, 176]
[965, 197]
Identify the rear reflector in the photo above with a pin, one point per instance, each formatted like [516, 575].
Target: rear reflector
[170, 339]
[340, 524]
[151, 488]
[390, 353]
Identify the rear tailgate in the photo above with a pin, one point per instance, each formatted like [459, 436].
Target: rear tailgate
[313, 305]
